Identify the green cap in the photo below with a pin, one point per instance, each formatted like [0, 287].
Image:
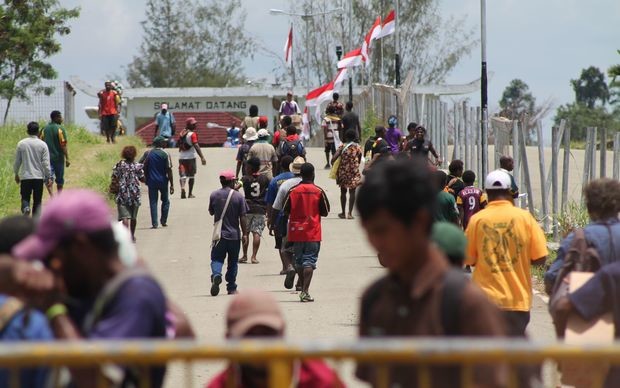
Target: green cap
[450, 239]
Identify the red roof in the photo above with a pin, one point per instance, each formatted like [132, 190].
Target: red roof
[206, 136]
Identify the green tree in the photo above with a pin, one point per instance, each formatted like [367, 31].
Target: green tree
[591, 87]
[190, 43]
[579, 117]
[28, 37]
[614, 87]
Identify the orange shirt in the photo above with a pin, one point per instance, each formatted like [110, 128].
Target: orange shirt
[107, 103]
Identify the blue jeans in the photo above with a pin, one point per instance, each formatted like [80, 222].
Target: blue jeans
[219, 252]
[306, 253]
[165, 203]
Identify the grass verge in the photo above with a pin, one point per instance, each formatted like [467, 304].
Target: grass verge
[91, 159]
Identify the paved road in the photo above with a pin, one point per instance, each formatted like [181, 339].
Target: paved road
[179, 256]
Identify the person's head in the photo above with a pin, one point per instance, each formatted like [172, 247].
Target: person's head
[233, 124]
[420, 132]
[252, 165]
[349, 106]
[228, 178]
[191, 123]
[13, 230]
[263, 121]
[456, 168]
[250, 134]
[253, 110]
[497, 185]
[75, 240]
[602, 199]
[392, 121]
[396, 203]
[295, 167]
[335, 96]
[32, 128]
[507, 163]
[159, 141]
[411, 127]
[263, 134]
[350, 135]
[56, 117]
[129, 153]
[108, 85]
[380, 131]
[164, 108]
[289, 96]
[307, 172]
[285, 162]
[286, 121]
[469, 178]
[451, 240]
[440, 180]
[291, 130]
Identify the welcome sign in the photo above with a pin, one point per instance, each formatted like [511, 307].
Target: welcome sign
[223, 105]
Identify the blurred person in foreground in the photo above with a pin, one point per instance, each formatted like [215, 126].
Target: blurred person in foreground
[255, 314]
[421, 295]
[95, 295]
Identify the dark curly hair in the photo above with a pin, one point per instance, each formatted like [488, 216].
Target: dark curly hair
[129, 153]
[602, 198]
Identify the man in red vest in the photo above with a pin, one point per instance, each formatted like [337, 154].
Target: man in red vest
[109, 102]
[306, 204]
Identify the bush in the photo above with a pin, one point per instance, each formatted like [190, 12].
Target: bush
[371, 120]
[575, 216]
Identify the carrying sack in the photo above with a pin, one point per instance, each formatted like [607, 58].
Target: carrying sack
[184, 141]
[333, 173]
[217, 226]
[291, 148]
[115, 185]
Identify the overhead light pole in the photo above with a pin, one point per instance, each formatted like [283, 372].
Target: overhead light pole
[484, 120]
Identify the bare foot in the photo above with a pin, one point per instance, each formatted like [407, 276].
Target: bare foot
[244, 259]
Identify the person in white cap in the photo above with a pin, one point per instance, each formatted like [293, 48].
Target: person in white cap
[264, 151]
[504, 242]
[249, 138]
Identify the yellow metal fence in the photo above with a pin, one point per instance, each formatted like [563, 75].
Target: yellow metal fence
[278, 355]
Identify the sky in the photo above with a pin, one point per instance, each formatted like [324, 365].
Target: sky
[545, 43]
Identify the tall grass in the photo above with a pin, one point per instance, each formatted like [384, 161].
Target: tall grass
[91, 162]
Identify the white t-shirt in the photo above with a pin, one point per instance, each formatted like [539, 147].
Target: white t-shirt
[191, 138]
[278, 204]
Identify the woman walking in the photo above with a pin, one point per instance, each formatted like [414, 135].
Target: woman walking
[348, 175]
[128, 174]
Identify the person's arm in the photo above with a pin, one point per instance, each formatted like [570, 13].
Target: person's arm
[170, 175]
[173, 124]
[17, 164]
[471, 258]
[459, 205]
[274, 163]
[45, 159]
[62, 137]
[538, 244]
[199, 151]
[337, 154]
[324, 205]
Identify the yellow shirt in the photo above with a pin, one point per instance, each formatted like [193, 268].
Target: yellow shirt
[503, 240]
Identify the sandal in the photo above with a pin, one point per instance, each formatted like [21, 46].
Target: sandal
[243, 260]
[350, 217]
[342, 216]
[254, 261]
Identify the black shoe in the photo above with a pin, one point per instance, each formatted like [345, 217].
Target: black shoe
[215, 285]
[164, 224]
[232, 292]
[290, 278]
[183, 195]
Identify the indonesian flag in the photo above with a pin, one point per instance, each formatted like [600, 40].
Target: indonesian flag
[288, 47]
[312, 98]
[389, 25]
[305, 120]
[340, 78]
[351, 59]
[374, 32]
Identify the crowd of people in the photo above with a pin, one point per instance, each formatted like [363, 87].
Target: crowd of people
[464, 271]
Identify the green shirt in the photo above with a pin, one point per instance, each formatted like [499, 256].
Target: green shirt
[55, 136]
[446, 209]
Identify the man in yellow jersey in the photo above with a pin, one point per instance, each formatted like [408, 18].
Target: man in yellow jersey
[504, 242]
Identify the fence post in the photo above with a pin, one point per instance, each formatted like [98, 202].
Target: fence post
[466, 135]
[565, 165]
[587, 160]
[555, 140]
[445, 139]
[541, 164]
[515, 151]
[617, 156]
[593, 155]
[603, 149]
[526, 169]
[455, 151]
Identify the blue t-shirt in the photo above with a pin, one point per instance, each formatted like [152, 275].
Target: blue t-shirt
[137, 310]
[274, 185]
[156, 164]
[26, 325]
[164, 122]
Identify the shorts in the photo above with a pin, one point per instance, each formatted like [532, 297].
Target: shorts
[109, 123]
[286, 246]
[58, 169]
[187, 167]
[307, 253]
[256, 223]
[330, 147]
[126, 212]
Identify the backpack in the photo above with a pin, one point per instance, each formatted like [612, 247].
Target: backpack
[184, 144]
[115, 184]
[292, 148]
[582, 256]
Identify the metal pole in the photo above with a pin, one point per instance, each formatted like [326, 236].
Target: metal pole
[306, 18]
[555, 140]
[484, 130]
[526, 168]
[617, 156]
[293, 59]
[350, 71]
[603, 148]
[565, 165]
[397, 32]
[541, 164]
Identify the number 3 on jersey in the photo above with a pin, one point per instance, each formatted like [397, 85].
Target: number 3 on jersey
[255, 189]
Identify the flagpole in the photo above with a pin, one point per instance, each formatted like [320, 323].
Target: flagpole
[292, 57]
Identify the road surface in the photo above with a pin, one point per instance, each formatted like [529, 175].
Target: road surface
[179, 257]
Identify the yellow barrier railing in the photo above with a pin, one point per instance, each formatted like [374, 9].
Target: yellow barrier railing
[381, 353]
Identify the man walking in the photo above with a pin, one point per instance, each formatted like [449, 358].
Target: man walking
[289, 107]
[55, 136]
[165, 125]
[157, 167]
[470, 200]
[109, 103]
[254, 187]
[507, 164]
[32, 169]
[351, 120]
[229, 209]
[306, 203]
[504, 242]
[273, 216]
[265, 152]
[188, 148]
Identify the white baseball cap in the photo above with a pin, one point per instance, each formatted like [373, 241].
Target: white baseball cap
[263, 133]
[497, 180]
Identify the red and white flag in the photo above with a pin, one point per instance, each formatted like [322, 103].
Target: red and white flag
[305, 121]
[389, 25]
[341, 76]
[351, 59]
[312, 98]
[288, 47]
[374, 32]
